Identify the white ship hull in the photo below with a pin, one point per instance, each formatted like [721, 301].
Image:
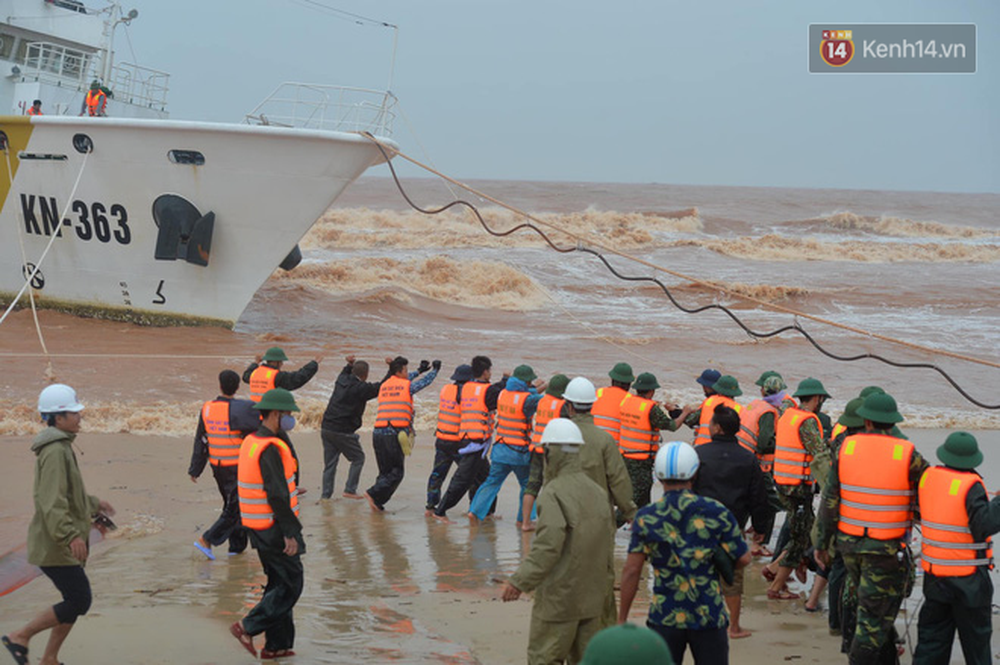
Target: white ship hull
[265, 185]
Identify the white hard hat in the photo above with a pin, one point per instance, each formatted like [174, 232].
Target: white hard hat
[563, 432]
[58, 398]
[676, 460]
[580, 391]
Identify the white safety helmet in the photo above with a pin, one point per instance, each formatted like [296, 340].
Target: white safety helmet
[563, 432]
[58, 398]
[580, 391]
[676, 460]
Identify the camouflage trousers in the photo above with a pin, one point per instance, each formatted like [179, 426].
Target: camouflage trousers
[873, 592]
[641, 474]
[800, 518]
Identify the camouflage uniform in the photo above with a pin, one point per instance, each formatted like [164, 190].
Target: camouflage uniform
[797, 500]
[641, 471]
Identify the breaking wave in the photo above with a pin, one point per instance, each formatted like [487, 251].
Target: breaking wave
[904, 228]
[764, 292]
[773, 247]
[361, 228]
[482, 284]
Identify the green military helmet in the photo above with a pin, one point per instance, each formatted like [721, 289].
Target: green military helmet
[960, 451]
[622, 372]
[870, 390]
[765, 376]
[850, 417]
[557, 385]
[727, 385]
[880, 408]
[645, 381]
[810, 387]
[275, 354]
[525, 373]
[277, 399]
[627, 644]
[773, 384]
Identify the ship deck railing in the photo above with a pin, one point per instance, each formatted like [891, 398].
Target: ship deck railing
[327, 107]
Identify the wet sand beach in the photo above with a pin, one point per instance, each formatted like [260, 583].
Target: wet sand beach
[392, 587]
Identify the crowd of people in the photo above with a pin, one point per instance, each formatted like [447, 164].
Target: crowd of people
[586, 460]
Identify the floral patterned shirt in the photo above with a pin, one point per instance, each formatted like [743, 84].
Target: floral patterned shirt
[679, 535]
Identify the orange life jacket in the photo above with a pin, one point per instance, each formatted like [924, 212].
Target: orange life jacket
[639, 440]
[261, 380]
[548, 408]
[791, 460]
[948, 549]
[255, 509]
[96, 99]
[875, 491]
[32, 111]
[513, 427]
[223, 443]
[837, 429]
[750, 430]
[477, 422]
[701, 434]
[449, 414]
[607, 410]
[395, 404]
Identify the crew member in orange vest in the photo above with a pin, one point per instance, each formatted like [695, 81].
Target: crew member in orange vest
[516, 406]
[393, 433]
[866, 506]
[722, 392]
[642, 420]
[223, 423]
[269, 505]
[95, 102]
[609, 399]
[36, 108]
[706, 380]
[448, 435]
[549, 407]
[957, 519]
[798, 442]
[266, 376]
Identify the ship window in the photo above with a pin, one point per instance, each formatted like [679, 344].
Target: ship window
[192, 157]
[6, 44]
[82, 143]
[42, 157]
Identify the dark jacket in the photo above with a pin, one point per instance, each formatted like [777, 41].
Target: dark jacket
[286, 524]
[731, 475]
[347, 404]
[288, 380]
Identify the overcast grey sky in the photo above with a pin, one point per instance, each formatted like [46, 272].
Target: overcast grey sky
[638, 91]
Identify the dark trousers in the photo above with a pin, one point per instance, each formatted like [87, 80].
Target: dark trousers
[445, 455]
[74, 586]
[471, 472]
[336, 444]
[228, 526]
[709, 647]
[389, 457]
[936, 633]
[536, 474]
[273, 614]
[837, 577]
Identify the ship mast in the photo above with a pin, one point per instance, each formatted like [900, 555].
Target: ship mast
[115, 17]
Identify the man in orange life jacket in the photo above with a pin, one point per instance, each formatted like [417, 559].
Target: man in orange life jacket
[95, 102]
[607, 409]
[706, 380]
[394, 425]
[642, 420]
[448, 435]
[866, 507]
[222, 424]
[269, 505]
[801, 458]
[36, 108]
[264, 377]
[549, 408]
[722, 392]
[516, 406]
[958, 593]
[758, 422]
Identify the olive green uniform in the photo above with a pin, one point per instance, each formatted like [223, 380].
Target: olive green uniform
[640, 471]
[798, 499]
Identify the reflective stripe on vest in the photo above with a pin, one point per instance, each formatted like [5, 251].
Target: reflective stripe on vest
[547, 409]
[255, 509]
[261, 380]
[607, 410]
[875, 492]
[223, 443]
[513, 427]
[395, 404]
[749, 433]
[948, 549]
[477, 422]
[791, 461]
[701, 434]
[639, 440]
[449, 414]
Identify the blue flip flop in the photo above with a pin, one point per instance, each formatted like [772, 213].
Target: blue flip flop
[17, 651]
[207, 551]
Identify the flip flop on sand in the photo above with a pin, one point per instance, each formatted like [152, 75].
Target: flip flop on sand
[244, 637]
[280, 653]
[762, 551]
[782, 595]
[207, 551]
[18, 652]
[767, 574]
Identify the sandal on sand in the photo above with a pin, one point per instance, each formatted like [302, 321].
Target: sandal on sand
[781, 595]
[18, 652]
[812, 609]
[280, 653]
[244, 637]
[767, 574]
[207, 551]
[762, 551]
